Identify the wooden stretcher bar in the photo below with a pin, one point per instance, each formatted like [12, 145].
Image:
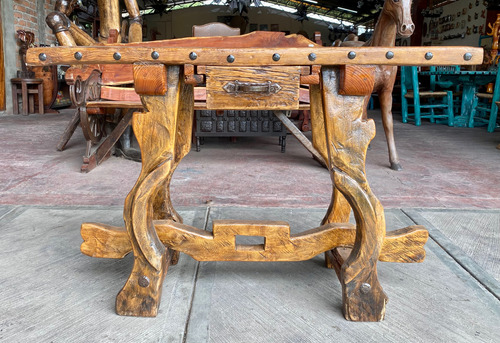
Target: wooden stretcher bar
[326, 56]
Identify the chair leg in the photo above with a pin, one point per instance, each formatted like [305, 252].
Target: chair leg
[418, 120]
[492, 122]
[404, 109]
[473, 113]
[40, 99]
[450, 108]
[24, 95]
[15, 100]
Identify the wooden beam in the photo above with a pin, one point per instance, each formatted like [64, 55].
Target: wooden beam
[125, 54]
[404, 245]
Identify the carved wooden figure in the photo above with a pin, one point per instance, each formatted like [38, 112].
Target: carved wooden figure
[91, 82]
[163, 77]
[395, 20]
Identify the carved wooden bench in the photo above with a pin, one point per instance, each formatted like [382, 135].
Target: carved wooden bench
[164, 76]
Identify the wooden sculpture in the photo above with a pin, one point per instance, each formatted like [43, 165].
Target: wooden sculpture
[252, 72]
[394, 20]
[26, 40]
[88, 82]
[494, 32]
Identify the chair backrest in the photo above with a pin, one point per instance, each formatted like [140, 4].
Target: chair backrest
[214, 29]
[409, 78]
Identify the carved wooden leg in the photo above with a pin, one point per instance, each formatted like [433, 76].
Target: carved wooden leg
[339, 209]
[347, 138]
[156, 132]
[162, 208]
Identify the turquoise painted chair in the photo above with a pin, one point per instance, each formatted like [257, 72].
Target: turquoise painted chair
[485, 109]
[436, 83]
[437, 106]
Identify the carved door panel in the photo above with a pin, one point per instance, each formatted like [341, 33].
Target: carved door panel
[2, 71]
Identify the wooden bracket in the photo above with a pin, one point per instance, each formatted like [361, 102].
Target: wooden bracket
[150, 79]
[192, 75]
[309, 75]
[356, 80]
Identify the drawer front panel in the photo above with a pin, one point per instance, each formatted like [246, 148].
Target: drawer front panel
[246, 88]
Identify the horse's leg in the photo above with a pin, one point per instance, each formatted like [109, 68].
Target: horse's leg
[385, 97]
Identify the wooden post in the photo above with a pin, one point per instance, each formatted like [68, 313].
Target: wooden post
[156, 132]
[347, 139]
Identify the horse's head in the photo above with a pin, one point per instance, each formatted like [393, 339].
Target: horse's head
[400, 11]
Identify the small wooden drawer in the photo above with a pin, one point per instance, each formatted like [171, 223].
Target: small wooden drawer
[247, 88]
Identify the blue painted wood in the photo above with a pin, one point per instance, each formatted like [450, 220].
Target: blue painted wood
[436, 80]
[469, 80]
[423, 107]
[484, 109]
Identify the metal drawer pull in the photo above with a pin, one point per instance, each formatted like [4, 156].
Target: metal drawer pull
[251, 87]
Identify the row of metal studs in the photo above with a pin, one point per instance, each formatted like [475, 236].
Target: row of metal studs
[276, 57]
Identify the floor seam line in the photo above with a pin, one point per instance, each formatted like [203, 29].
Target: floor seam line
[490, 284]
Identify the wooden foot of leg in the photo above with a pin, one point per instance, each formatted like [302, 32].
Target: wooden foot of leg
[141, 295]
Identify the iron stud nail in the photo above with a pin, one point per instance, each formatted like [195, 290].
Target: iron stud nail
[365, 288]
[42, 57]
[389, 55]
[230, 58]
[276, 57]
[468, 56]
[429, 56]
[78, 55]
[312, 56]
[351, 55]
[117, 56]
[193, 56]
[143, 281]
[155, 55]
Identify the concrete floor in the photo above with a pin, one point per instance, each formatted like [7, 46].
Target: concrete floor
[444, 167]
[53, 293]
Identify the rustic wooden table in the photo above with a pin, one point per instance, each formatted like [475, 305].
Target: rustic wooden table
[240, 76]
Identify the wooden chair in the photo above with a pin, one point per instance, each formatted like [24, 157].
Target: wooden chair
[424, 103]
[485, 109]
[27, 88]
[437, 83]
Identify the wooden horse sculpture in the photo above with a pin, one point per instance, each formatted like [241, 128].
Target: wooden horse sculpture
[395, 19]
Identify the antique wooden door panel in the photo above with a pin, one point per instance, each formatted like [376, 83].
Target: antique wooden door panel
[2, 71]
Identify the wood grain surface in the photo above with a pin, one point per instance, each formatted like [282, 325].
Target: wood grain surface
[257, 56]
[356, 80]
[105, 241]
[286, 77]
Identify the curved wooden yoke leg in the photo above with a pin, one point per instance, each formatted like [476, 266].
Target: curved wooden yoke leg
[339, 209]
[156, 132]
[347, 142]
